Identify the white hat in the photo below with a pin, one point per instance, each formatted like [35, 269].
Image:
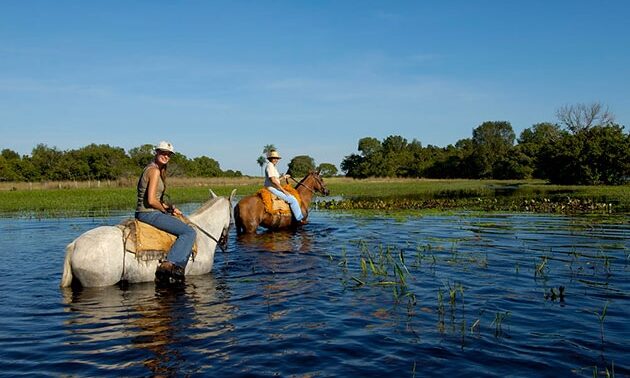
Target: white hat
[273, 154]
[165, 146]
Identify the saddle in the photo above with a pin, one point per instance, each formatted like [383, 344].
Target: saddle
[275, 205]
[148, 242]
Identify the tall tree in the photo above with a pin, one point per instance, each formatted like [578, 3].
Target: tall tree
[268, 148]
[261, 161]
[533, 140]
[205, 167]
[141, 156]
[584, 116]
[301, 165]
[327, 169]
[492, 141]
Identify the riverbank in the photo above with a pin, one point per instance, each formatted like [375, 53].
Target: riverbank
[96, 198]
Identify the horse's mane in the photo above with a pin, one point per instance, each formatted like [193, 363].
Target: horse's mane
[311, 173]
[206, 205]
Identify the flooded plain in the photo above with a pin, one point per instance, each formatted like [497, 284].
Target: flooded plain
[457, 295]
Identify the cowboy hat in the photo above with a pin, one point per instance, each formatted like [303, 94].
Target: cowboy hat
[165, 146]
[273, 154]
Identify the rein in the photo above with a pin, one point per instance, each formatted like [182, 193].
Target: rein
[304, 185]
[222, 241]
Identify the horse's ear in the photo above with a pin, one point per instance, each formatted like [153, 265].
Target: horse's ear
[232, 195]
[212, 194]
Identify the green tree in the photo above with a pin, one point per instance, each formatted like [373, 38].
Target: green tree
[9, 162]
[7, 171]
[595, 155]
[268, 148]
[327, 169]
[10, 154]
[141, 156]
[301, 165]
[351, 165]
[261, 162]
[453, 161]
[180, 166]
[368, 163]
[532, 141]
[492, 141]
[102, 161]
[26, 169]
[514, 165]
[47, 162]
[206, 167]
[397, 158]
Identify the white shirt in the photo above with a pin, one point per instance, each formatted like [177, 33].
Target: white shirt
[270, 171]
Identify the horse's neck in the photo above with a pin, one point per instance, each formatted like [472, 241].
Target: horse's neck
[305, 191]
[206, 214]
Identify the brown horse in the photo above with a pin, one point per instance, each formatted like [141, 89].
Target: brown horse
[250, 212]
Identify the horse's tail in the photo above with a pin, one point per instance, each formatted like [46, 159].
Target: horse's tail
[66, 278]
[238, 222]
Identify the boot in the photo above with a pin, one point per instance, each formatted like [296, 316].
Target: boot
[169, 273]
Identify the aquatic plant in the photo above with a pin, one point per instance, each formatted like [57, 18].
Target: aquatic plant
[540, 268]
[601, 317]
[498, 322]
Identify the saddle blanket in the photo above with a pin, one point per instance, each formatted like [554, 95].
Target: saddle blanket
[148, 242]
[275, 205]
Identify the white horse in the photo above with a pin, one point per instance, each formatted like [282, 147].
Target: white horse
[98, 257]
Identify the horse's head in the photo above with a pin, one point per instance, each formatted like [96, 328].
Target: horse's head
[318, 183]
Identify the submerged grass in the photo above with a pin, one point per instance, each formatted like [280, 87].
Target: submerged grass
[368, 195]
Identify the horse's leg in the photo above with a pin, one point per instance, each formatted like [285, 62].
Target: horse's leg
[238, 221]
[250, 210]
[97, 259]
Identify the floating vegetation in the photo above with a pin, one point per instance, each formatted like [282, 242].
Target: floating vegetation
[562, 205]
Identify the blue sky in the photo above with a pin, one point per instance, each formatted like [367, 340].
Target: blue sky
[224, 78]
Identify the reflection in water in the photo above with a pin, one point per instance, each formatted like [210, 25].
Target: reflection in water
[149, 321]
[283, 266]
[278, 241]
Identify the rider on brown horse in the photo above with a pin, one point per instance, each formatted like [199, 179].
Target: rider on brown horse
[260, 209]
[272, 183]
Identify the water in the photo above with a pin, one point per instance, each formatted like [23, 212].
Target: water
[471, 296]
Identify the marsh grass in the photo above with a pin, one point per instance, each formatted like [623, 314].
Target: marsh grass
[401, 197]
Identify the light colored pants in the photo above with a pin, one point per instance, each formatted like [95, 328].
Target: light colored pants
[186, 235]
[292, 201]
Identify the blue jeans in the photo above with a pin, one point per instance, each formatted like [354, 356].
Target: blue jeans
[292, 201]
[186, 235]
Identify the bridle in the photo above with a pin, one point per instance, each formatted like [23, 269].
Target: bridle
[222, 242]
[304, 185]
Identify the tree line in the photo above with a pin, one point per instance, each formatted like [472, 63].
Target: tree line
[98, 162]
[587, 147]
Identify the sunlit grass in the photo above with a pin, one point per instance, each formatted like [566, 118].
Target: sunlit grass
[410, 195]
